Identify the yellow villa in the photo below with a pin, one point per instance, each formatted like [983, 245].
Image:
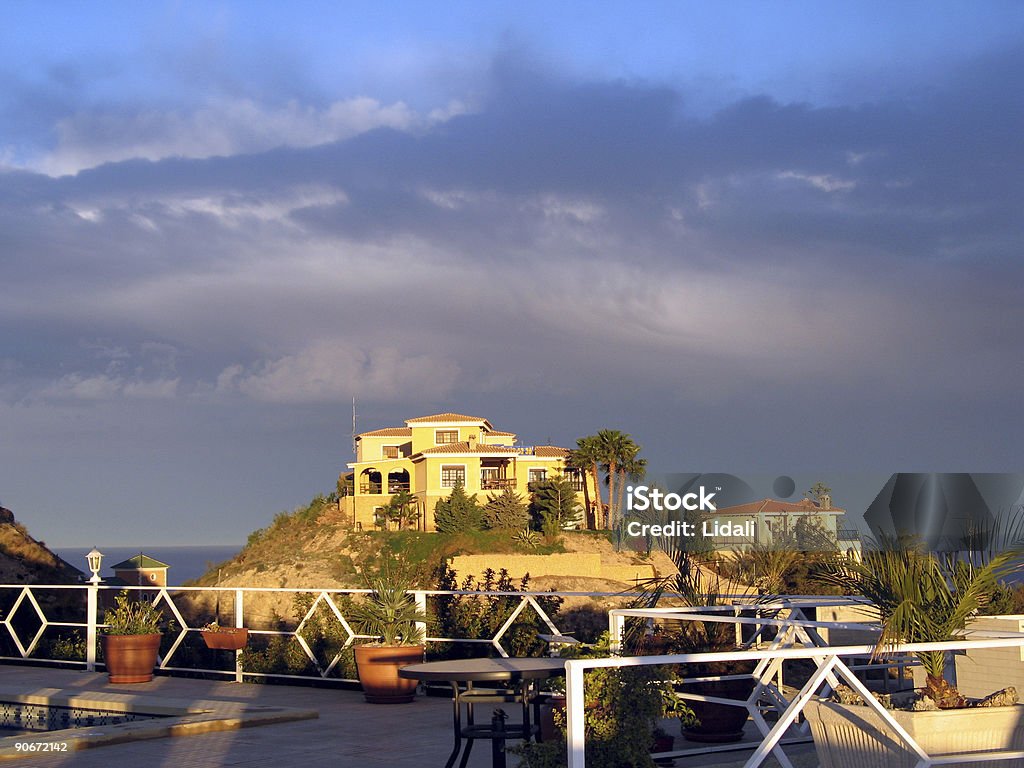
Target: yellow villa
[430, 455]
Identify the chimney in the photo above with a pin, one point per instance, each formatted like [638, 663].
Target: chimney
[825, 501]
[472, 442]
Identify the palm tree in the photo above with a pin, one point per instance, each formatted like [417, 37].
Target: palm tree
[922, 598]
[615, 449]
[586, 459]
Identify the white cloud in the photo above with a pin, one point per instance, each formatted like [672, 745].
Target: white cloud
[330, 371]
[93, 387]
[89, 138]
[823, 181]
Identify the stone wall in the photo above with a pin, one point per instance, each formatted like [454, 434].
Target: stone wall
[588, 565]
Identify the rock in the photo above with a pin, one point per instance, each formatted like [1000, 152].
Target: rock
[1004, 698]
[924, 703]
[844, 694]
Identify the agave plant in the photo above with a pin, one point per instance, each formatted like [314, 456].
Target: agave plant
[922, 598]
[389, 613]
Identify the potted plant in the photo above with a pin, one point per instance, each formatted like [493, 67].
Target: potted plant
[390, 616]
[131, 640]
[697, 586]
[221, 638]
[623, 711]
[921, 598]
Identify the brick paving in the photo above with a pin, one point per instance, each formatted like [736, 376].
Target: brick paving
[348, 732]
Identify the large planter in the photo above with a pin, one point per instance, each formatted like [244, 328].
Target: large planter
[851, 736]
[378, 667]
[719, 723]
[130, 658]
[226, 638]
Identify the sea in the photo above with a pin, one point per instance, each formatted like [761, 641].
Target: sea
[185, 562]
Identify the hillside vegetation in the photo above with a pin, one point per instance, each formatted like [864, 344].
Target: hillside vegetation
[24, 560]
[313, 547]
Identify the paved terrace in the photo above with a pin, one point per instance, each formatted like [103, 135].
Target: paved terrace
[348, 731]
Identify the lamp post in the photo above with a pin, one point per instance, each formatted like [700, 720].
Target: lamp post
[95, 560]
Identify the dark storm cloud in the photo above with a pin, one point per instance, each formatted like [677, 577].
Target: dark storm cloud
[768, 236]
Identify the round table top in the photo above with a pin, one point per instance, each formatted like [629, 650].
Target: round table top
[476, 670]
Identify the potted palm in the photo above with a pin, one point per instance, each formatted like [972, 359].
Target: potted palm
[697, 586]
[389, 615]
[921, 598]
[131, 640]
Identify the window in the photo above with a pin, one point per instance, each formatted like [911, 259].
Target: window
[390, 451]
[452, 475]
[445, 436]
[538, 475]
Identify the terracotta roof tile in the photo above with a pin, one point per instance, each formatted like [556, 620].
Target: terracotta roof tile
[501, 434]
[388, 432]
[446, 416]
[463, 447]
[776, 506]
[547, 451]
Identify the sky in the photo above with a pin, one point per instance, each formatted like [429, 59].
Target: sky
[781, 238]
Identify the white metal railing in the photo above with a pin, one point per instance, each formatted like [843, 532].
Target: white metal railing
[28, 599]
[796, 638]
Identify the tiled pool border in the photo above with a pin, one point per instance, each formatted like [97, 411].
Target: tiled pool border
[179, 717]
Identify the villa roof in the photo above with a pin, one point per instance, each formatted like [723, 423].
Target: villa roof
[775, 506]
[548, 451]
[388, 432]
[463, 447]
[502, 434]
[138, 562]
[447, 416]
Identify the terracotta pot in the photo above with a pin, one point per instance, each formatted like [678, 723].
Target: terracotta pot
[548, 730]
[719, 723]
[226, 638]
[378, 667]
[130, 658]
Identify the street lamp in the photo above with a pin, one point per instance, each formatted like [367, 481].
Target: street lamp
[94, 558]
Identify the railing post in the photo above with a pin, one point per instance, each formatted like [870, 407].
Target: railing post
[239, 622]
[574, 730]
[421, 605]
[616, 626]
[91, 609]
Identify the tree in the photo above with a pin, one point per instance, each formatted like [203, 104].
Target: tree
[506, 511]
[458, 512]
[554, 505]
[818, 490]
[402, 510]
[587, 457]
[615, 450]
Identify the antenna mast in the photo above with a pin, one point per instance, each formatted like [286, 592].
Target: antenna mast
[353, 426]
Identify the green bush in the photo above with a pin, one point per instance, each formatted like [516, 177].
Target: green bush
[479, 616]
[458, 512]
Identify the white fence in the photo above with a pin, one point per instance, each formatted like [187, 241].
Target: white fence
[31, 606]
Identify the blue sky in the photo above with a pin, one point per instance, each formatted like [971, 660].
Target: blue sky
[761, 237]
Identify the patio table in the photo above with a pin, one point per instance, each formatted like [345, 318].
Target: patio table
[519, 679]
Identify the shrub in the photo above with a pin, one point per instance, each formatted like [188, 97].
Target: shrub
[458, 513]
[506, 511]
[480, 616]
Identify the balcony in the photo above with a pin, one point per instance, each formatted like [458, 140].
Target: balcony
[394, 486]
[497, 483]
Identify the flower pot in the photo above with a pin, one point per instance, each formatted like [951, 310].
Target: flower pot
[852, 736]
[548, 730]
[719, 723]
[378, 667]
[130, 658]
[226, 639]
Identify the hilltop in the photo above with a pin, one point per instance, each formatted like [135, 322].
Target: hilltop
[314, 547]
[23, 559]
